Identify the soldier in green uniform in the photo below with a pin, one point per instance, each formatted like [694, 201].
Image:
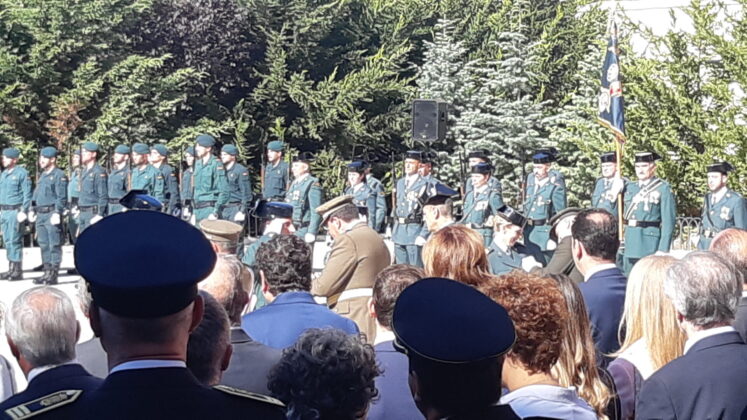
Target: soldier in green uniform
[15, 201]
[545, 196]
[210, 186]
[409, 232]
[186, 184]
[50, 197]
[650, 212]
[119, 178]
[73, 193]
[158, 158]
[94, 194]
[276, 174]
[363, 196]
[722, 207]
[239, 186]
[143, 176]
[378, 188]
[474, 158]
[505, 254]
[305, 195]
[554, 156]
[482, 203]
[608, 187]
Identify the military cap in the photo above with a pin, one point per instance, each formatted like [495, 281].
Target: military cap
[512, 216]
[471, 328]
[722, 167]
[140, 200]
[482, 168]
[140, 148]
[11, 152]
[358, 166]
[437, 194]
[608, 157]
[122, 149]
[161, 149]
[272, 210]
[558, 217]
[429, 157]
[646, 157]
[221, 230]
[190, 150]
[205, 140]
[550, 151]
[305, 157]
[543, 156]
[275, 146]
[415, 155]
[230, 149]
[48, 152]
[479, 154]
[90, 146]
[326, 209]
[147, 275]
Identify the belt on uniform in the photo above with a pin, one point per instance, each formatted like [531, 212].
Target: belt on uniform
[204, 204]
[114, 201]
[44, 209]
[407, 220]
[641, 224]
[538, 222]
[349, 294]
[95, 209]
[10, 207]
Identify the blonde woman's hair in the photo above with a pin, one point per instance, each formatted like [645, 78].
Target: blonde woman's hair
[577, 365]
[458, 253]
[649, 314]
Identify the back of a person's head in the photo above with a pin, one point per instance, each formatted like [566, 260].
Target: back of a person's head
[731, 244]
[456, 252]
[388, 285]
[207, 344]
[326, 374]
[83, 293]
[224, 285]
[41, 323]
[597, 231]
[347, 213]
[285, 261]
[539, 312]
[705, 289]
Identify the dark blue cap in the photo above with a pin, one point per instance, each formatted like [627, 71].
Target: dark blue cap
[512, 216]
[205, 140]
[608, 157]
[482, 168]
[150, 274]
[722, 167]
[122, 149]
[48, 152]
[429, 157]
[273, 210]
[543, 158]
[140, 148]
[646, 157]
[437, 194]
[358, 166]
[140, 200]
[414, 154]
[90, 146]
[11, 152]
[161, 149]
[306, 157]
[276, 146]
[230, 149]
[190, 150]
[479, 154]
[470, 328]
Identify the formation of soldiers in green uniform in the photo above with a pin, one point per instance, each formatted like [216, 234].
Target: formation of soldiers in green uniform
[213, 185]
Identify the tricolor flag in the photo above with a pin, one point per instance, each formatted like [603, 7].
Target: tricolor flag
[611, 104]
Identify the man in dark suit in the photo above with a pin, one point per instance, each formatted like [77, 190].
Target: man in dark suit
[732, 245]
[394, 401]
[594, 247]
[284, 265]
[710, 379]
[251, 361]
[562, 258]
[42, 331]
[145, 305]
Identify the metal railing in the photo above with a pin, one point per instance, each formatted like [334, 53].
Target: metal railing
[686, 233]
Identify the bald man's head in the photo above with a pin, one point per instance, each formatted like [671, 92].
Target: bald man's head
[226, 286]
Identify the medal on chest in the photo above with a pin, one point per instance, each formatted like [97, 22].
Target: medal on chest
[725, 213]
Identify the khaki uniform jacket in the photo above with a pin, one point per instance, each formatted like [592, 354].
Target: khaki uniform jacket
[357, 256]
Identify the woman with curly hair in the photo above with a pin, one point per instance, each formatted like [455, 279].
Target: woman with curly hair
[457, 252]
[538, 310]
[326, 375]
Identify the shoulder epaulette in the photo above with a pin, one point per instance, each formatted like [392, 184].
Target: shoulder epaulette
[42, 405]
[251, 395]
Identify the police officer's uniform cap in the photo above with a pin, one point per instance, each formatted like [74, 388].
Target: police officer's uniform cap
[221, 230]
[305, 157]
[90, 146]
[205, 140]
[275, 146]
[543, 157]
[471, 328]
[141, 148]
[48, 152]
[326, 209]
[230, 149]
[161, 149]
[415, 155]
[140, 200]
[481, 168]
[646, 157]
[722, 167]
[272, 210]
[479, 154]
[608, 157]
[429, 157]
[149, 274]
[512, 216]
[437, 194]
[11, 152]
[358, 166]
[190, 150]
[122, 149]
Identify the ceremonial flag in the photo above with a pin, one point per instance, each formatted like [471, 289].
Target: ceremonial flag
[611, 104]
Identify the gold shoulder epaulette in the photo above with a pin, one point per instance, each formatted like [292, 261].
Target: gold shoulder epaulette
[251, 395]
[43, 404]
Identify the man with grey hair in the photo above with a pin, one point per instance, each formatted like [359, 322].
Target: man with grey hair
[208, 348]
[710, 379]
[251, 361]
[42, 331]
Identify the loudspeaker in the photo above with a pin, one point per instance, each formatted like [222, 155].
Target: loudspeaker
[429, 120]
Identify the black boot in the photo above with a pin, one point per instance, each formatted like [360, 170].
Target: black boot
[14, 272]
[72, 271]
[39, 267]
[43, 279]
[53, 272]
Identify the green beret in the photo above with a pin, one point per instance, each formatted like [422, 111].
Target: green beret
[190, 150]
[122, 149]
[205, 140]
[140, 148]
[161, 149]
[275, 146]
[48, 152]
[91, 146]
[11, 152]
[230, 149]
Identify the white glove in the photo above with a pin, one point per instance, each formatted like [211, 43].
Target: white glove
[309, 238]
[420, 241]
[75, 212]
[54, 219]
[239, 217]
[192, 219]
[617, 186]
[529, 263]
[186, 214]
[21, 217]
[32, 216]
[212, 217]
[95, 219]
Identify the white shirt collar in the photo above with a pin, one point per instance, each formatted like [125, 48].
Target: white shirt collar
[503, 247]
[699, 335]
[543, 181]
[744, 293]
[33, 373]
[409, 179]
[148, 364]
[597, 268]
[358, 186]
[480, 189]
[718, 195]
[383, 335]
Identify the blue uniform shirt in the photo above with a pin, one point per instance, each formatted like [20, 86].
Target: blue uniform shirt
[730, 211]
[378, 188]
[210, 183]
[94, 189]
[118, 183]
[239, 186]
[145, 178]
[276, 180]
[51, 190]
[15, 188]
